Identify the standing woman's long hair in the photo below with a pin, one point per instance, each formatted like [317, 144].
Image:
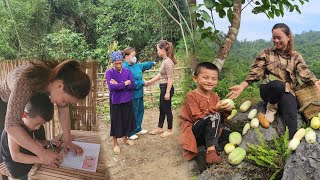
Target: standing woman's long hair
[76, 82]
[168, 47]
[127, 51]
[285, 29]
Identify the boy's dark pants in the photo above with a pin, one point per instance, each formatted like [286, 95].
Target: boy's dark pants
[207, 135]
[274, 92]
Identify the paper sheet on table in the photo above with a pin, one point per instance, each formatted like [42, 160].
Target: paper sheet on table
[88, 161]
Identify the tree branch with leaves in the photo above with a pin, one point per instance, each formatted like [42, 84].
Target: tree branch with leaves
[232, 9]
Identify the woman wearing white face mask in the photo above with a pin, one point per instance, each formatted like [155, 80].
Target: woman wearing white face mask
[137, 93]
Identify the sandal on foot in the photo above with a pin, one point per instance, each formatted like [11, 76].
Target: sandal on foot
[116, 150]
[129, 142]
[156, 131]
[166, 134]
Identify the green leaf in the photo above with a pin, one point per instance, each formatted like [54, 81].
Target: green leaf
[297, 8]
[273, 8]
[275, 174]
[219, 7]
[209, 3]
[266, 3]
[271, 15]
[277, 11]
[226, 3]
[200, 23]
[281, 9]
[230, 3]
[302, 2]
[193, 9]
[222, 13]
[255, 11]
[205, 16]
[204, 35]
[257, 3]
[291, 8]
[287, 3]
[229, 14]
[280, 6]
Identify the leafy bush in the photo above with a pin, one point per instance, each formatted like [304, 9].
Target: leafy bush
[66, 44]
[136, 23]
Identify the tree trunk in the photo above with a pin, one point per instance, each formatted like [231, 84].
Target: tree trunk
[231, 36]
[193, 21]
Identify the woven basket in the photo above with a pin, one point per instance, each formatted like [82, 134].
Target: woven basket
[308, 97]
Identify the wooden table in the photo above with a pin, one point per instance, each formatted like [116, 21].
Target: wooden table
[47, 173]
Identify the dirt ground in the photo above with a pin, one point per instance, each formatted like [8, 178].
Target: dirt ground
[152, 157]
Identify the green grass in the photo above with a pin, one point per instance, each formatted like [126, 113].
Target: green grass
[104, 110]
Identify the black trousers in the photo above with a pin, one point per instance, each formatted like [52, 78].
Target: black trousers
[206, 130]
[165, 107]
[274, 92]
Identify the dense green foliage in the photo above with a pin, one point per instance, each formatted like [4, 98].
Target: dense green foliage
[81, 28]
[135, 23]
[66, 44]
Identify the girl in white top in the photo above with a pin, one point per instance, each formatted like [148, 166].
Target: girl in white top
[166, 75]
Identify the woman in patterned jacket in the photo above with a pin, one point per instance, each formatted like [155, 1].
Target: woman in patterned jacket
[279, 68]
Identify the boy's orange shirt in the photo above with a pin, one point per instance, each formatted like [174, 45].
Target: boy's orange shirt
[195, 108]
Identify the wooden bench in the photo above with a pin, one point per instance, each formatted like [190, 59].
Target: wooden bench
[43, 172]
[46, 173]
